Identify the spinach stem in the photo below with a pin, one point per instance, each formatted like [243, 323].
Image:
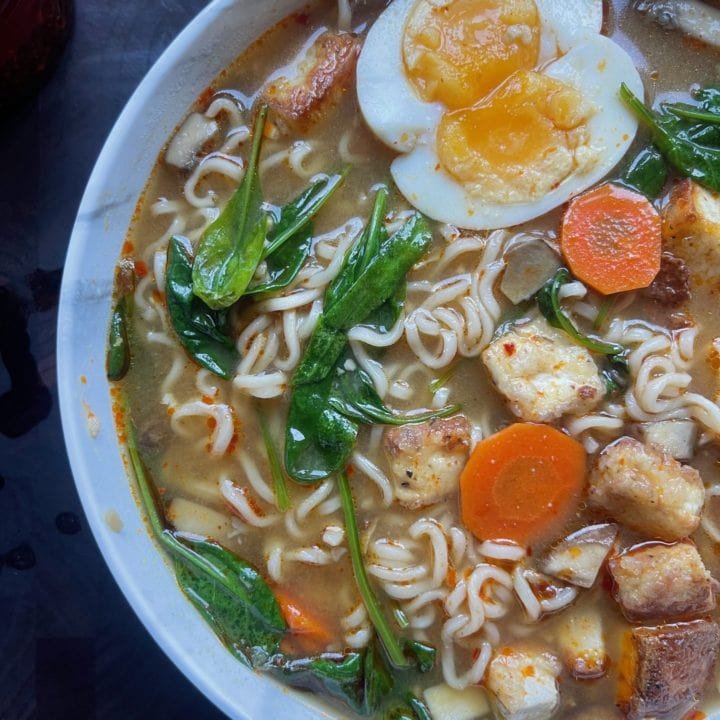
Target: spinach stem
[282, 498]
[694, 114]
[149, 500]
[440, 382]
[377, 617]
[605, 308]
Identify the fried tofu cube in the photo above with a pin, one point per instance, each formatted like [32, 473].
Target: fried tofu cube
[426, 459]
[691, 229]
[325, 71]
[654, 581]
[647, 490]
[523, 681]
[542, 373]
[582, 644]
[664, 670]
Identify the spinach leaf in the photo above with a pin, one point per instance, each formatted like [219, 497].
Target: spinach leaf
[384, 318]
[202, 331]
[425, 655]
[362, 251]
[230, 593]
[616, 372]
[379, 279]
[231, 247]
[548, 300]
[290, 241]
[339, 675]
[378, 682]
[675, 138]
[318, 439]
[286, 262]
[411, 709]
[325, 347]
[295, 216]
[390, 643]
[647, 172]
[282, 499]
[353, 394]
[118, 352]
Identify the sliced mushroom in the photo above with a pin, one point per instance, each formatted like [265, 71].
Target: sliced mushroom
[188, 140]
[529, 265]
[579, 557]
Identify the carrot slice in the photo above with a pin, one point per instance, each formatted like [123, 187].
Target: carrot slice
[522, 484]
[307, 629]
[611, 238]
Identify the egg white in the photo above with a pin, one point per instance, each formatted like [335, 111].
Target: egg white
[388, 100]
[566, 24]
[595, 68]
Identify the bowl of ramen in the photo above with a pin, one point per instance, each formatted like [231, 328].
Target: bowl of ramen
[389, 358]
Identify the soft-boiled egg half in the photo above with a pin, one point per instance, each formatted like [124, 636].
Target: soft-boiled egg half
[501, 109]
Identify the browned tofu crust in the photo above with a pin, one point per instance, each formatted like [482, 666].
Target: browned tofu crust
[326, 70]
[664, 670]
[671, 286]
[647, 490]
[655, 581]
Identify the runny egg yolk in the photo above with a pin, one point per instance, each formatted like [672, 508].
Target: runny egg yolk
[457, 51]
[520, 142]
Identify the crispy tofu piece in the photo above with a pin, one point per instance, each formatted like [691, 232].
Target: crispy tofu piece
[325, 71]
[426, 459]
[671, 286]
[675, 437]
[647, 490]
[578, 558]
[691, 229]
[713, 361]
[523, 681]
[582, 644]
[664, 670]
[655, 581]
[542, 373]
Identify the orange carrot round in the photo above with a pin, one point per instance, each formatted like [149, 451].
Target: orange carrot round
[522, 484]
[611, 239]
[306, 628]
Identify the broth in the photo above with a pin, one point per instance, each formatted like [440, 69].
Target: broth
[195, 430]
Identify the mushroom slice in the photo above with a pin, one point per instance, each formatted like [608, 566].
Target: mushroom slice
[579, 557]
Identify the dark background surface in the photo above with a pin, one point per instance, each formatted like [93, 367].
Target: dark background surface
[70, 646]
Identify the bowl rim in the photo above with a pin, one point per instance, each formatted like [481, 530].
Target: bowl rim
[268, 697]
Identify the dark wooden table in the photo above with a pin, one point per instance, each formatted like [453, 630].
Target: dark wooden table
[70, 646]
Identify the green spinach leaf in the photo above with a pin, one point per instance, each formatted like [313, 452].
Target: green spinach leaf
[230, 593]
[118, 352]
[353, 394]
[232, 246]
[548, 300]
[296, 215]
[202, 331]
[362, 251]
[325, 347]
[340, 675]
[286, 262]
[677, 140]
[379, 279]
[411, 708]
[318, 439]
[647, 172]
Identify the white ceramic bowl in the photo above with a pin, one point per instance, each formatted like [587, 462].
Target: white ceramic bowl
[209, 43]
